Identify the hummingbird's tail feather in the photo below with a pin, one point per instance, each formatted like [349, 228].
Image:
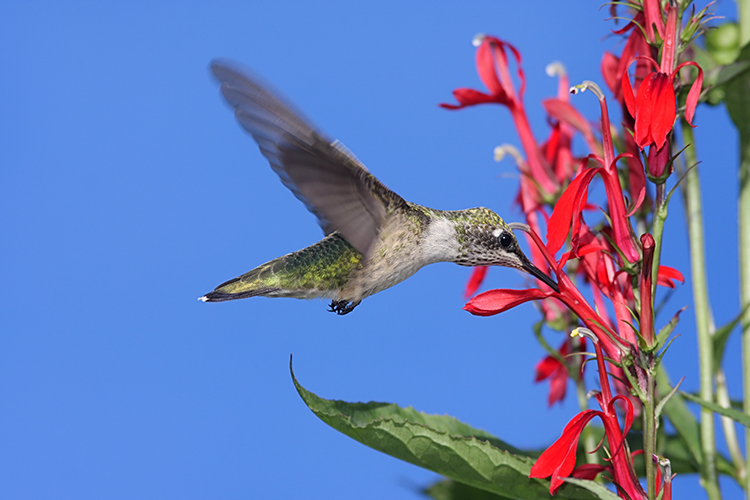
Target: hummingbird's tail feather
[219, 296]
[320, 270]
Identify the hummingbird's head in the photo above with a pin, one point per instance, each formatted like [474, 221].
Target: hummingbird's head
[486, 240]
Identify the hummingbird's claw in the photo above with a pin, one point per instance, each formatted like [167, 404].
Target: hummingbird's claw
[342, 307]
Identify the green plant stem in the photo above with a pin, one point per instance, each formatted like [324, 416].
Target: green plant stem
[744, 255]
[743, 19]
[694, 215]
[722, 398]
[657, 231]
[743, 216]
[649, 431]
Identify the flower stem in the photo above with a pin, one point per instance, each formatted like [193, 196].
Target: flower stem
[730, 433]
[743, 18]
[694, 215]
[649, 431]
[744, 255]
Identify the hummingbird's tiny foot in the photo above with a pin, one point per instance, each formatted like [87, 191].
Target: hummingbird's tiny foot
[342, 307]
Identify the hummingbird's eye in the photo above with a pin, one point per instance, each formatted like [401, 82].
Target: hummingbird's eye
[505, 240]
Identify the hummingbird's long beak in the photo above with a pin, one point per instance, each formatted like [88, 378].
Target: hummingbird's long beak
[537, 273]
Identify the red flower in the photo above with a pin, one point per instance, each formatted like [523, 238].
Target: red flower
[496, 301]
[477, 276]
[558, 461]
[654, 107]
[493, 69]
[557, 373]
[491, 58]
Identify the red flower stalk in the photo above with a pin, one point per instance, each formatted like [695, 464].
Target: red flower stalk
[558, 461]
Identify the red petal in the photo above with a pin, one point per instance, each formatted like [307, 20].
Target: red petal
[469, 97]
[567, 210]
[558, 385]
[486, 65]
[559, 459]
[566, 113]
[655, 110]
[549, 364]
[637, 183]
[609, 68]
[627, 93]
[667, 274]
[477, 276]
[589, 471]
[694, 93]
[497, 301]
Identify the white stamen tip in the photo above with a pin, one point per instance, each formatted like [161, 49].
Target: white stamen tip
[555, 68]
[478, 39]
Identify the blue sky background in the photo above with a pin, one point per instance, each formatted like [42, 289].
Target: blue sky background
[127, 190]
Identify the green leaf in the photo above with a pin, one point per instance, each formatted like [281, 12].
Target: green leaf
[447, 489]
[667, 329]
[439, 443]
[680, 416]
[721, 335]
[595, 488]
[737, 98]
[735, 415]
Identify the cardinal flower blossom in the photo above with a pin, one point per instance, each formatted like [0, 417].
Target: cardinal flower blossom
[558, 461]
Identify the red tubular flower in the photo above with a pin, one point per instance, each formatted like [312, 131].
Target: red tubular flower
[654, 107]
[491, 58]
[496, 301]
[567, 212]
[558, 461]
[493, 69]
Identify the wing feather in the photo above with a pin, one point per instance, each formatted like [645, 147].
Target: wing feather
[322, 173]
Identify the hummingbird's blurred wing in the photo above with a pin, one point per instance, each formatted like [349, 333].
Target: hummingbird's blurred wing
[323, 174]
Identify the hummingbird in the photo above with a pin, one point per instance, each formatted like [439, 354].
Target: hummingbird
[374, 239]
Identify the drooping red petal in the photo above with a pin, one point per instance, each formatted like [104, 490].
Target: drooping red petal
[496, 301]
[637, 176]
[486, 65]
[492, 66]
[589, 471]
[477, 276]
[567, 210]
[545, 368]
[610, 71]
[694, 93]
[667, 274]
[469, 97]
[564, 112]
[558, 385]
[559, 459]
[627, 93]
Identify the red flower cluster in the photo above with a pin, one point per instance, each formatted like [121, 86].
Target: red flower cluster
[611, 258]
